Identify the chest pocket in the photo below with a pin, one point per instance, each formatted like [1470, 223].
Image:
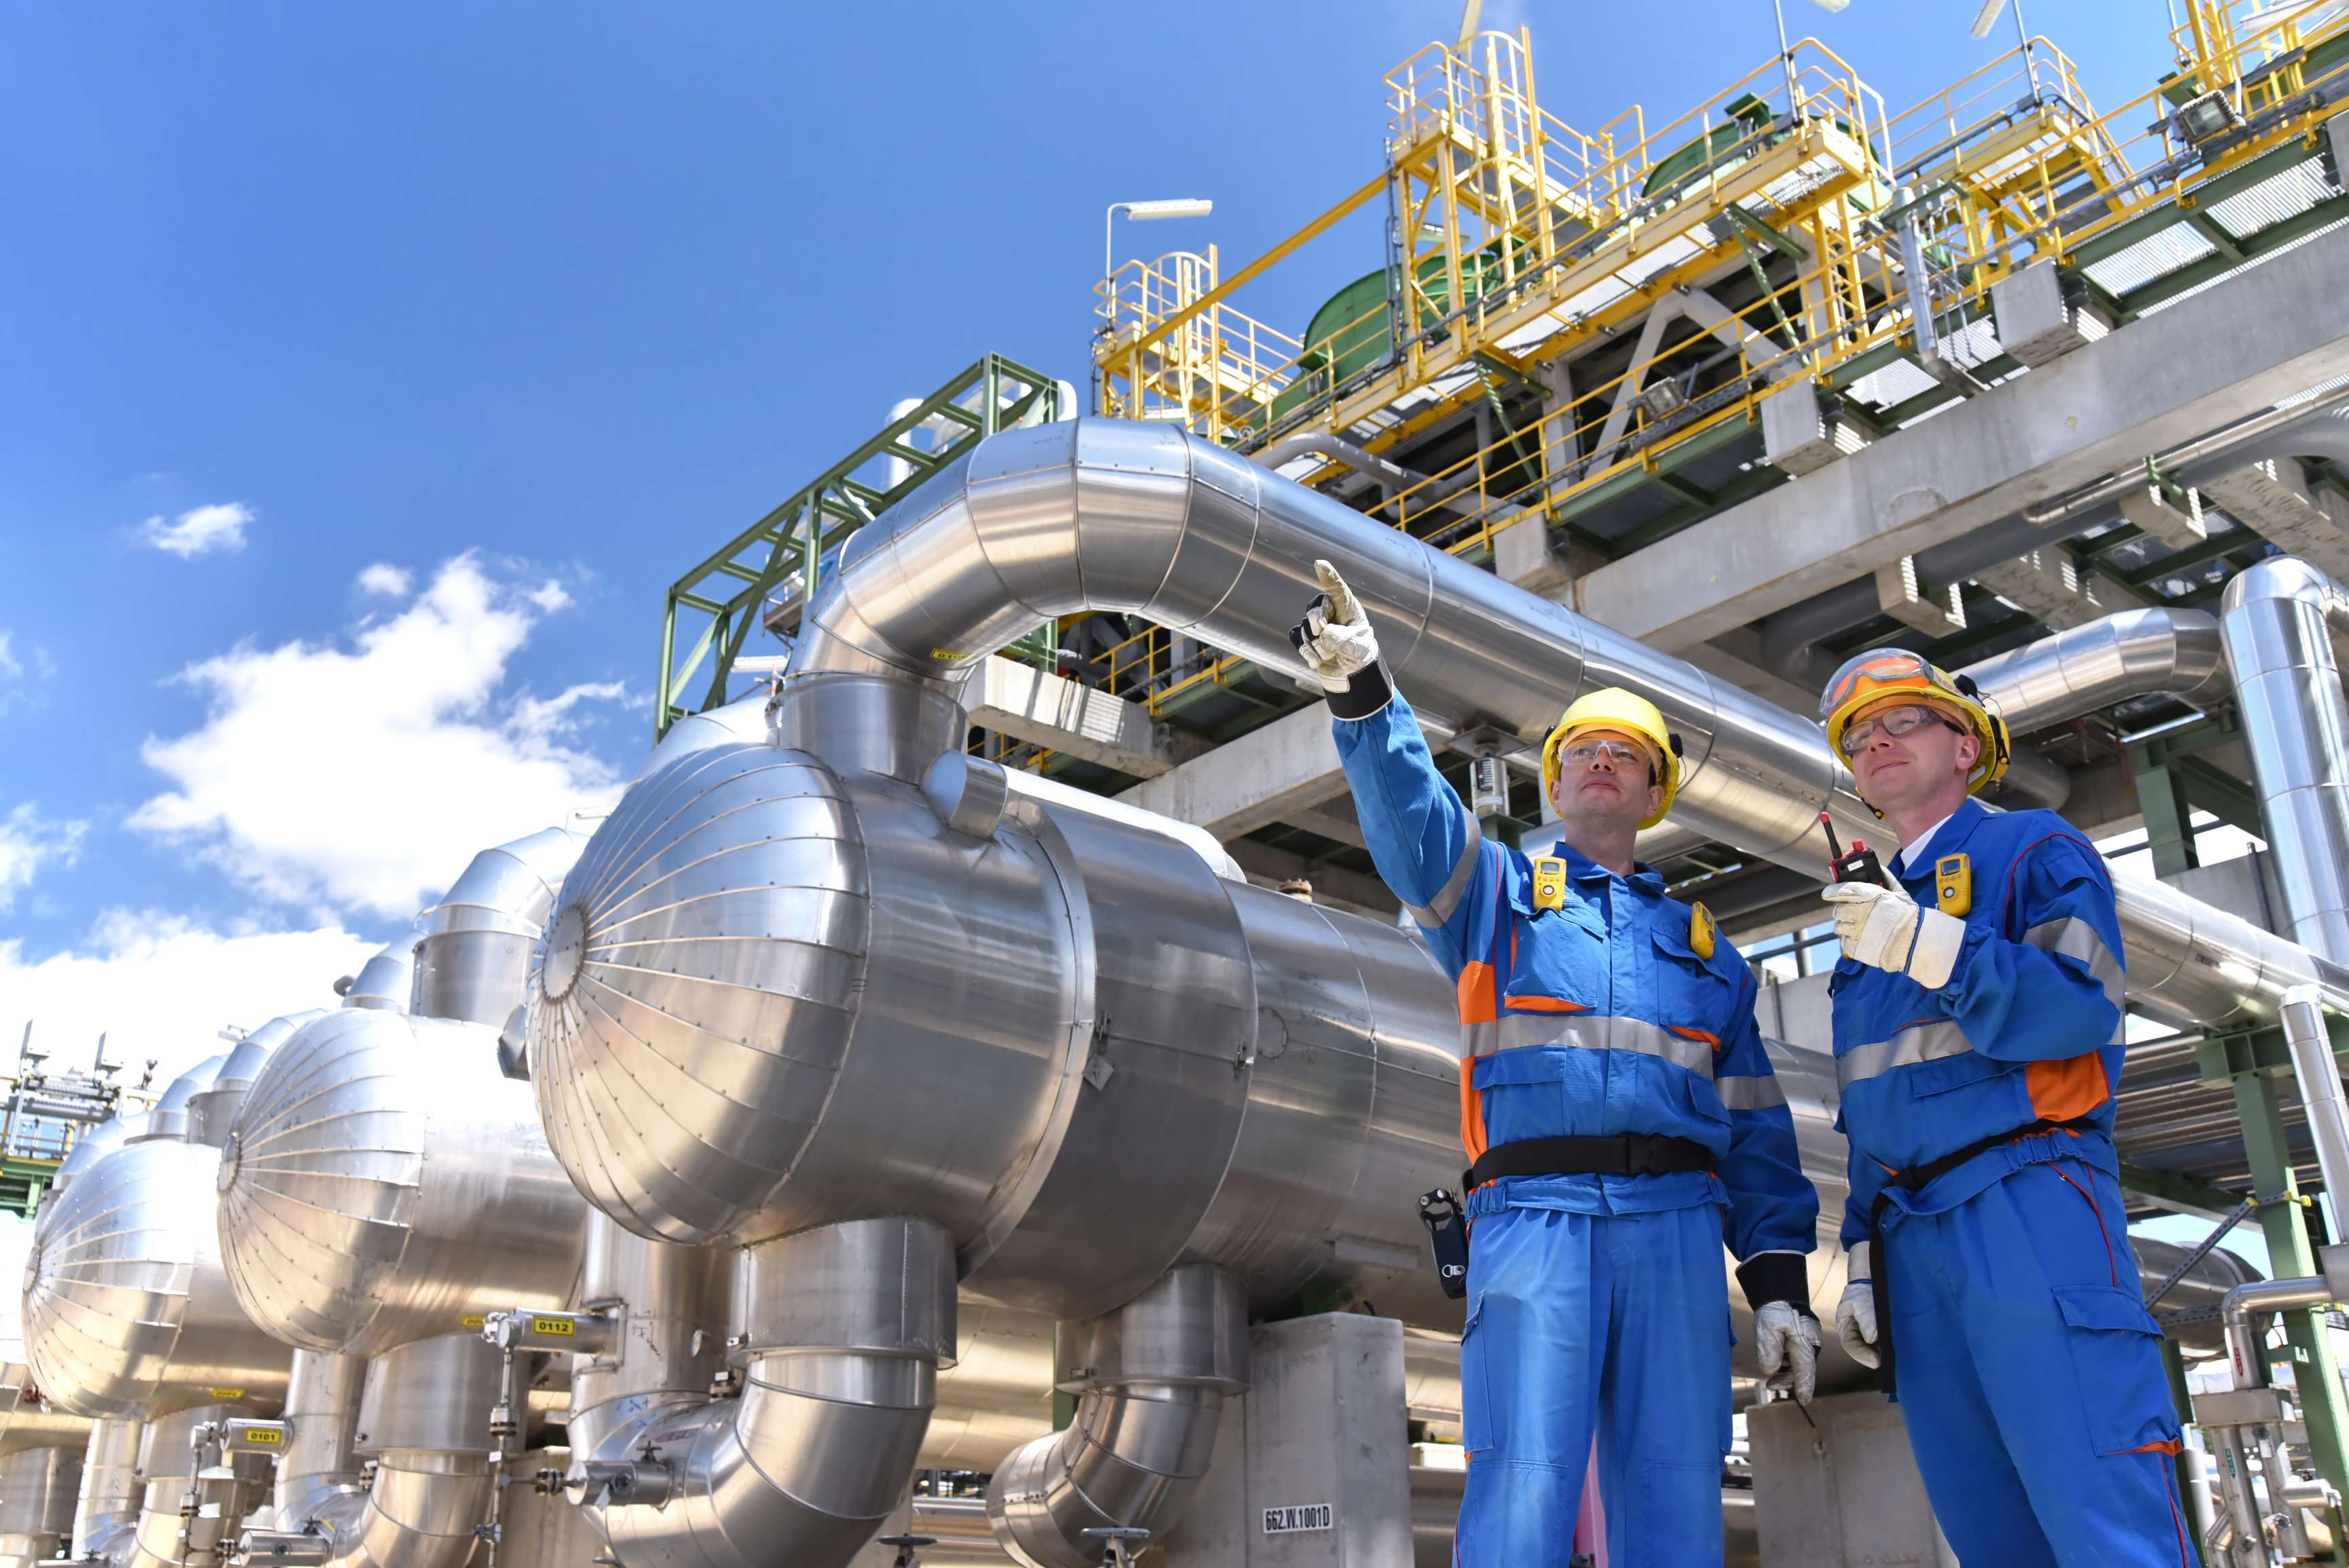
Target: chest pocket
[1561, 955]
[1691, 994]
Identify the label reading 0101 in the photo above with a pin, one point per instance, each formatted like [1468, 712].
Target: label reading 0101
[1297, 1516]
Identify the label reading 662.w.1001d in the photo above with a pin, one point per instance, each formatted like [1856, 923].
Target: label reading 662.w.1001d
[1297, 1516]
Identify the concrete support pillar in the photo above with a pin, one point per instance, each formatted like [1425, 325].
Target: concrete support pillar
[1840, 1490]
[1312, 1466]
[2050, 586]
[2176, 520]
[2274, 500]
[2040, 319]
[1801, 430]
[1900, 595]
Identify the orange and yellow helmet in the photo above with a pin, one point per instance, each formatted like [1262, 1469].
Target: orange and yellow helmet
[1883, 675]
[1625, 713]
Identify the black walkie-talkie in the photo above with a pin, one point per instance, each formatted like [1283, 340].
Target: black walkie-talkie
[1860, 866]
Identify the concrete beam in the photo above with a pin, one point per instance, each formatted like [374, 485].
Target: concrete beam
[2202, 364]
[1268, 866]
[1029, 704]
[2050, 587]
[1252, 782]
[2273, 499]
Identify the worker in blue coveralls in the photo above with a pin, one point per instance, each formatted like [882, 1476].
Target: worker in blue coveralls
[1978, 1010]
[1620, 1118]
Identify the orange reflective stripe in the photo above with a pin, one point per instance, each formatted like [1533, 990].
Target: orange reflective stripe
[1474, 994]
[2063, 1090]
[2166, 1445]
[1472, 1111]
[1545, 1005]
[1709, 1038]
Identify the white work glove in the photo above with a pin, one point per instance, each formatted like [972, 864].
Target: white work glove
[1884, 927]
[1856, 1321]
[1335, 637]
[1786, 1343]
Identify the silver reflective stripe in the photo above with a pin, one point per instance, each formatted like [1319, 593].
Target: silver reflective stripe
[1481, 1039]
[1740, 1093]
[1455, 886]
[1924, 1043]
[2072, 937]
[1591, 1033]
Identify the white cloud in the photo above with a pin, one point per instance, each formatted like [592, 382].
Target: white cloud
[8, 662]
[159, 985]
[364, 773]
[28, 841]
[200, 530]
[386, 580]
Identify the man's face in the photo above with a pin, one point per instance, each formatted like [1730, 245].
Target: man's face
[1599, 784]
[1924, 768]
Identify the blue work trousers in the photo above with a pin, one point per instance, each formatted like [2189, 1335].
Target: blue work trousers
[1617, 1321]
[2030, 1376]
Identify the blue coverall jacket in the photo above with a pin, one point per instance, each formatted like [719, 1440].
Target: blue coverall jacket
[2029, 1370]
[1594, 1300]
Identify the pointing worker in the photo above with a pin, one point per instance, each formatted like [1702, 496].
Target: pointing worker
[1621, 1121]
[1978, 1012]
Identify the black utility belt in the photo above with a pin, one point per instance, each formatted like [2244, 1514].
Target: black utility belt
[1625, 1154]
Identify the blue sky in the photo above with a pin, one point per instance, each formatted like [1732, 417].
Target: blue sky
[367, 372]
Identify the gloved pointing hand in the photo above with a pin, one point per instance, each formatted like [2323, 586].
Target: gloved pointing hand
[1335, 638]
[1786, 1343]
[1884, 927]
[1856, 1321]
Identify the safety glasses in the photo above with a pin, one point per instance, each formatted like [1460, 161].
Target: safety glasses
[1896, 722]
[1621, 753]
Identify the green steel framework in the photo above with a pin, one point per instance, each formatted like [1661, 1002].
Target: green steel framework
[730, 592]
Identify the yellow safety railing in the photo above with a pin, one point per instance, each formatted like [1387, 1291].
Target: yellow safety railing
[1519, 237]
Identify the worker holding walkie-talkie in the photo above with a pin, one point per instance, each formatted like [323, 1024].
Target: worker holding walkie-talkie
[1978, 1014]
[1619, 1118]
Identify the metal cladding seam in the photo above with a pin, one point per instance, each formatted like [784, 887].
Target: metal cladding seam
[1099, 515]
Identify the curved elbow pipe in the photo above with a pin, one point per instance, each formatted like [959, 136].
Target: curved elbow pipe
[1152, 1377]
[847, 1326]
[475, 951]
[37, 1490]
[108, 1503]
[2130, 654]
[1098, 515]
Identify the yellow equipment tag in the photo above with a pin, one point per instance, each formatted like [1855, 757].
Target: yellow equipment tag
[1550, 882]
[264, 1437]
[1953, 884]
[227, 1393]
[561, 1327]
[471, 1320]
[1701, 932]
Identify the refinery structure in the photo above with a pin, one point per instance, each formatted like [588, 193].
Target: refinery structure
[968, 1102]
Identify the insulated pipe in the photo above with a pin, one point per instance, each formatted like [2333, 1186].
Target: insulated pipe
[2319, 1072]
[2278, 617]
[2246, 1364]
[108, 1504]
[38, 1489]
[1152, 1378]
[671, 1301]
[840, 1330]
[1100, 515]
[322, 1413]
[2129, 654]
[167, 1535]
[475, 951]
[211, 1111]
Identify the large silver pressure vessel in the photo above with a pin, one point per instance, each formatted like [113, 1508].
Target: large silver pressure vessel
[384, 1179]
[128, 1312]
[477, 940]
[213, 1108]
[775, 995]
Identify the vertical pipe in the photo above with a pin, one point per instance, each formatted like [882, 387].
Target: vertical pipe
[2314, 1064]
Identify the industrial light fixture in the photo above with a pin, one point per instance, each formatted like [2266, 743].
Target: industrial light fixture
[1662, 399]
[1145, 211]
[2200, 119]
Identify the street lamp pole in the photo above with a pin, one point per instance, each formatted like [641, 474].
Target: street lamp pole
[1142, 211]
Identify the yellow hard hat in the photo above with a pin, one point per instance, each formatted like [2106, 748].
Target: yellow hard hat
[1889, 674]
[1627, 713]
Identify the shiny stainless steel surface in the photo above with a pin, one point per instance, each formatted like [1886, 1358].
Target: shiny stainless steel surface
[477, 940]
[321, 1459]
[128, 1310]
[29, 1421]
[38, 1487]
[1152, 1378]
[673, 1301]
[996, 1396]
[2279, 616]
[2130, 654]
[1435, 1495]
[388, 979]
[224, 1493]
[1097, 515]
[844, 1330]
[211, 1110]
[2321, 1094]
[108, 1506]
[170, 1116]
[91, 1147]
[384, 1179]
[430, 1393]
